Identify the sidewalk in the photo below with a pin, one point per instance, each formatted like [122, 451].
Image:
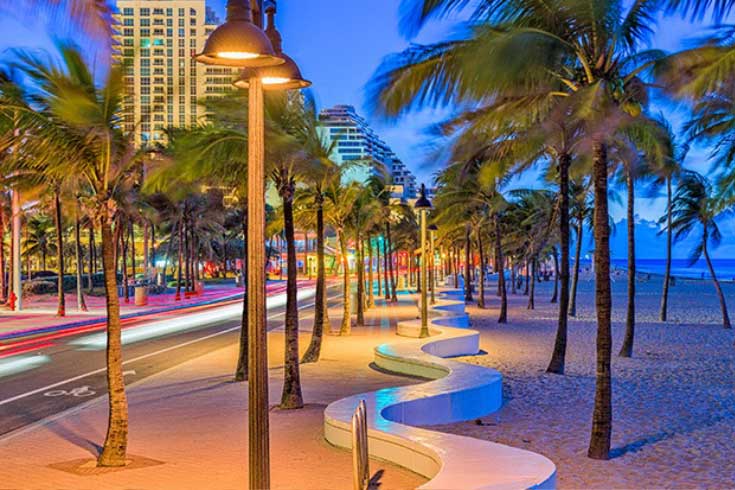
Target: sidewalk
[39, 314]
[188, 425]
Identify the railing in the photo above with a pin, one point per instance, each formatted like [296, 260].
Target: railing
[360, 460]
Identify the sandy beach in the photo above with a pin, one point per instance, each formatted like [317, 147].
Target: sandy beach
[673, 403]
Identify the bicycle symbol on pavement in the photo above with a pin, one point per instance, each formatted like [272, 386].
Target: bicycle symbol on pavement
[80, 392]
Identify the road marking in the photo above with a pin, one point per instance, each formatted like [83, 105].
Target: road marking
[139, 358]
[80, 392]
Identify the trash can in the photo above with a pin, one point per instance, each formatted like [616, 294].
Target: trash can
[141, 295]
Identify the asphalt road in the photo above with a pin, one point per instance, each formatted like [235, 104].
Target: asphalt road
[70, 372]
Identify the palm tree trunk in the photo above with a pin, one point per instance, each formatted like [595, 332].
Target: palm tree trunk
[455, 263]
[626, 350]
[371, 277]
[81, 304]
[528, 278]
[291, 397]
[385, 269]
[180, 247]
[92, 259]
[555, 294]
[602, 414]
[61, 311]
[132, 248]
[503, 316]
[377, 269]
[723, 305]
[558, 356]
[124, 257]
[393, 274]
[241, 371]
[577, 258]
[3, 282]
[360, 266]
[512, 278]
[467, 268]
[115, 447]
[532, 293]
[346, 327]
[320, 301]
[663, 315]
[481, 282]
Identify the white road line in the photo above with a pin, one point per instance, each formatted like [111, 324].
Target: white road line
[145, 356]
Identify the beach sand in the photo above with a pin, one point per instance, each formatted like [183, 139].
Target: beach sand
[673, 402]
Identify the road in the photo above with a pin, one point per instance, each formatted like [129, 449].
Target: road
[64, 373]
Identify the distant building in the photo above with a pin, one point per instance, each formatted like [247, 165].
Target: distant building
[355, 140]
[156, 39]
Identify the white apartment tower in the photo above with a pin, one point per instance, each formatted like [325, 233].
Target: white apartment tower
[355, 140]
[156, 39]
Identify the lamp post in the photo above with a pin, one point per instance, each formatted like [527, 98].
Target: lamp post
[432, 269]
[240, 43]
[423, 205]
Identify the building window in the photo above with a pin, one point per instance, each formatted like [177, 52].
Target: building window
[169, 12]
[145, 22]
[128, 11]
[145, 12]
[128, 22]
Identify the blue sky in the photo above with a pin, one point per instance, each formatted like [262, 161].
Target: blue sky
[339, 44]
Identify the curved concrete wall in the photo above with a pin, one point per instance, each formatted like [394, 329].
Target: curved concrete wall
[457, 392]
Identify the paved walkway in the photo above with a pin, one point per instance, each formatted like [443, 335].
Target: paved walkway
[188, 425]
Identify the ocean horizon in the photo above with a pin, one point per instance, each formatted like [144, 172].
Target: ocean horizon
[724, 268]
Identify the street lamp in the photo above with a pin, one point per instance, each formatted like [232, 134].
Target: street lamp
[285, 76]
[241, 44]
[423, 205]
[432, 271]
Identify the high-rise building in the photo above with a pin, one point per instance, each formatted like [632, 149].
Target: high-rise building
[156, 40]
[355, 140]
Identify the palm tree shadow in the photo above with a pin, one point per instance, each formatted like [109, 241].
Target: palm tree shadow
[74, 437]
[374, 483]
[635, 446]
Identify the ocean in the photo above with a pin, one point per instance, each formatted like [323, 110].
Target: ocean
[724, 268]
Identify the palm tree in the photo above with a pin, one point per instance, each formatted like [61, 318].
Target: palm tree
[39, 238]
[97, 150]
[340, 199]
[696, 207]
[666, 175]
[581, 211]
[322, 171]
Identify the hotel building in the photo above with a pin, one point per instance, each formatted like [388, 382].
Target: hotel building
[156, 41]
[355, 140]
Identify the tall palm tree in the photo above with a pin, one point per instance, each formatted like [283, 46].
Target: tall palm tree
[696, 207]
[666, 175]
[80, 119]
[581, 212]
[321, 172]
[340, 200]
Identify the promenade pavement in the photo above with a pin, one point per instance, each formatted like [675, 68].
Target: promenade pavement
[188, 425]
